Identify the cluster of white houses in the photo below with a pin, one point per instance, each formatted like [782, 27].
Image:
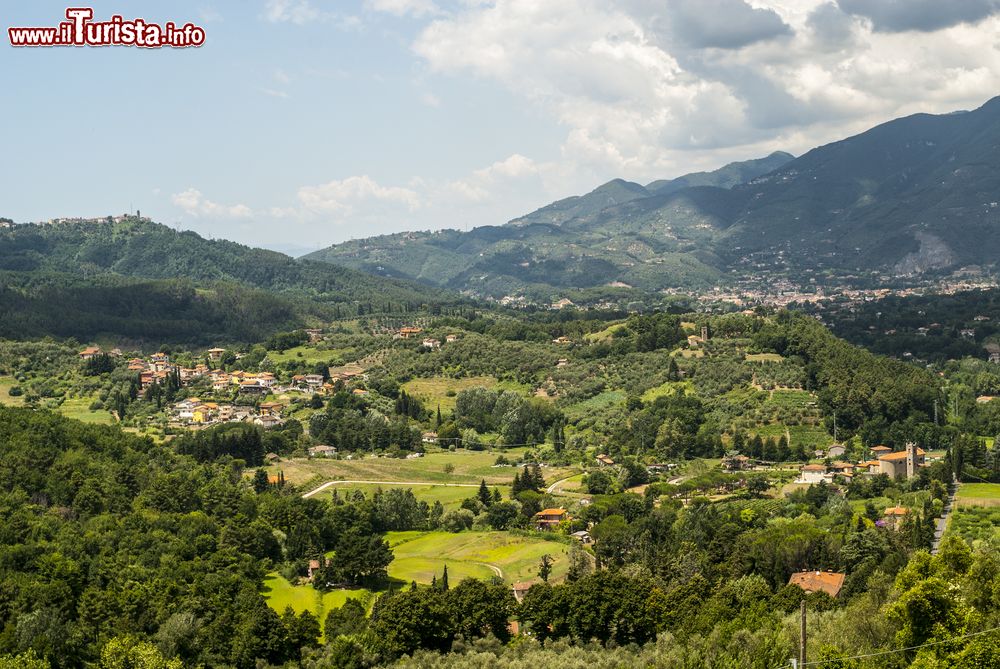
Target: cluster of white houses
[894, 464]
[195, 412]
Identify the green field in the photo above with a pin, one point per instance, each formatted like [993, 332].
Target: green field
[79, 408]
[468, 467]
[810, 436]
[668, 388]
[975, 522]
[451, 497]
[763, 357]
[595, 403]
[421, 555]
[6, 383]
[606, 333]
[791, 398]
[978, 494]
[281, 594]
[440, 391]
[307, 354]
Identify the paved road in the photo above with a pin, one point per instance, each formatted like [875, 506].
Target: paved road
[942, 522]
[409, 483]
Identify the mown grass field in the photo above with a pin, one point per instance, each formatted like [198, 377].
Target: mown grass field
[6, 383]
[451, 497]
[419, 556]
[467, 467]
[422, 556]
[281, 594]
[978, 494]
[441, 391]
[606, 333]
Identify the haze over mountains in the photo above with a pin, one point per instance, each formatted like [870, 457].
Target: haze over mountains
[912, 196]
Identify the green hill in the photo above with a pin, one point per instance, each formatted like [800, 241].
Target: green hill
[144, 281]
[911, 196]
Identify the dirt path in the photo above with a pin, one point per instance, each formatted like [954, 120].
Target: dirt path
[555, 487]
[329, 484]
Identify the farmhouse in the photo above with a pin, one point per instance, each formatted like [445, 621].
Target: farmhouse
[814, 474]
[215, 354]
[815, 581]
[893, 517]
[431, 344]
[90, 352]
[322, 451]
[546, 519]
[604, 460]
[409, 331]
[521, 589]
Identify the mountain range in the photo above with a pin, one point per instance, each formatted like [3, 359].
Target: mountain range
[914, 196]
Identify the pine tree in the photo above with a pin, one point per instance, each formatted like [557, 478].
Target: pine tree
[484, 493]
[516, 486]
[444, 579]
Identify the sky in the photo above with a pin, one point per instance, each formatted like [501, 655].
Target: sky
[302, 123]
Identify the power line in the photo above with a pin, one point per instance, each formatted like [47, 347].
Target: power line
[816, 663]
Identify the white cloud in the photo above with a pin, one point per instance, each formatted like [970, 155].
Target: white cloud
[430, 100]
[304, 12]
[647, 89]
[404, 7]
[485, 184]
[344, 196]
[274, 93]
[193, 203]
[291, 11]
[282, 77]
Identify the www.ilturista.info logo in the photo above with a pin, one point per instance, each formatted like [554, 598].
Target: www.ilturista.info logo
[81, 30]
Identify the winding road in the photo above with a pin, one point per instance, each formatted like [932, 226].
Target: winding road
[329, 484]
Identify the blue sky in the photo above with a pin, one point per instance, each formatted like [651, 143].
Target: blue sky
[302, 122]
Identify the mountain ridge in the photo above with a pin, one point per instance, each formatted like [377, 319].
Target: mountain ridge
[914, 195]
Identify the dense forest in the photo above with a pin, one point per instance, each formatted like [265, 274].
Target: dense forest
[119, 552]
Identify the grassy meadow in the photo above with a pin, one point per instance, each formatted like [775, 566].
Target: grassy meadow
[465, 467]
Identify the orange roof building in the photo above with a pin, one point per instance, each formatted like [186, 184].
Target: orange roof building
[815, 581]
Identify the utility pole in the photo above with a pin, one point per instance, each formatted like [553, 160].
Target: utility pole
[802, 635]
[835, 427]
[935, 412]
